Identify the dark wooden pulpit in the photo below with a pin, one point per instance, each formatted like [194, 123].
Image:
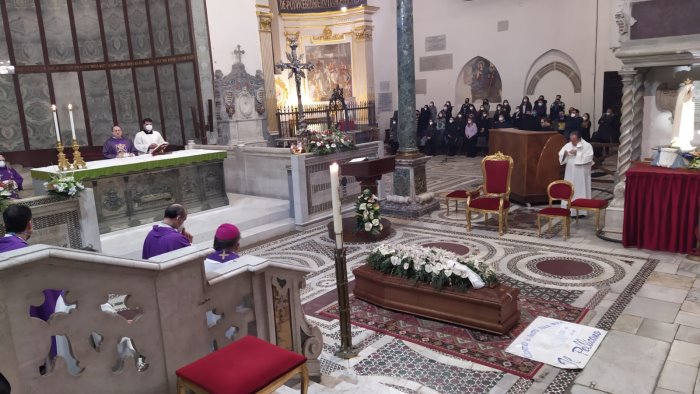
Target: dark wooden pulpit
[369, 172]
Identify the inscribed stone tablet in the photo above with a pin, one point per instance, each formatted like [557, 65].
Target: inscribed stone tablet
[385, 102]
[436, 62]
[384, 86]
[421, 86]
[435, 43]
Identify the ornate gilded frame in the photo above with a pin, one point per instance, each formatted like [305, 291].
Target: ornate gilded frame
[567, 220]
[502, 216]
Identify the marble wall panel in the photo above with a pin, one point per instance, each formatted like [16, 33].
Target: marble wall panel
[436, 43]
[87, 27]
[99, 109]
[37, 111]
[59, 41]
[10, 128]
[24, 28]
[171, 111]
[159, 25]
[201, 37]
[148, 95]
[179, 27]
[67, 91]
[138, 28]
[188, 96]
[115, 30]
[435, 62]
[125, 99]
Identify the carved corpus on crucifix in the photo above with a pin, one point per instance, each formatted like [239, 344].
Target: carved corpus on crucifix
[296, 68]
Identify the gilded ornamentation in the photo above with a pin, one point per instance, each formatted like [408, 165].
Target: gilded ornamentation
[363, 33]
[264, 21]
[328, 35]
[283, 313]
[292, 36]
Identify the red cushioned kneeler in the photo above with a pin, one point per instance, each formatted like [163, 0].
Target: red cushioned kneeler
[245, 366]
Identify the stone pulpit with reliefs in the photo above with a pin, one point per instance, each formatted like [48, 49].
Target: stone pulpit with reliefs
[240, 105]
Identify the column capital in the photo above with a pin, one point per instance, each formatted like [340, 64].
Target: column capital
[264, 21]
[363, 33]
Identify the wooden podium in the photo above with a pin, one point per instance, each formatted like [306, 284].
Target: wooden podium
[368, 173]
[535, 161]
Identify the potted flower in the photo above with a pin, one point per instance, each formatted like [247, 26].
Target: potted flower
[63, 184]
[367, 213]
[8, 189]
[328, 141]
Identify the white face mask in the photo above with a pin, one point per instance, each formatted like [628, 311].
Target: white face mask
[501, 119]
[2, 163]
[573, 115]
[585, 118]
[149, 127]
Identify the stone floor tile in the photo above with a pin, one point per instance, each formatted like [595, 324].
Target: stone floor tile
[691, 307]
[627, 323]
[696, 284]
[653, 309]
[658, 330]
[668, 268]
[625, 363]
[578, 389]
[697, 385]
[688, 334]
[664, 391]
[693, 295]
[689, 266]
[663, 293]
[688, 319]
[685, 353]
[669, 280]
[678, 377]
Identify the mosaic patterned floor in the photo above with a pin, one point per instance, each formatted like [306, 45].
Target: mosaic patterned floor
[603, 279]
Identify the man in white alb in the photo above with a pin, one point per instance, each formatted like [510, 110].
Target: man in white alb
[147, 139]
[578, 157]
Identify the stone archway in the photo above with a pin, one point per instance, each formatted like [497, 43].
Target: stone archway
[564, 68]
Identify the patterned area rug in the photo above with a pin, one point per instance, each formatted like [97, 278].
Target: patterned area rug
[466, 343]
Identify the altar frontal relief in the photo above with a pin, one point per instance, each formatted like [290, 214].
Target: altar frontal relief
[332, 66]
[557, 343]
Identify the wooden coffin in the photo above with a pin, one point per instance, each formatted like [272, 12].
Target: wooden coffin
[492, 309]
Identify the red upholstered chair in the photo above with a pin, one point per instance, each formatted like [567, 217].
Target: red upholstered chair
[457, 196]
[557, 190]
[249, 365]
[590, 204]
[496, 170]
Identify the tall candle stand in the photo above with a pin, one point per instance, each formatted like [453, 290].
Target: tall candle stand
[63, 163]
[346, 351]
[78, 161]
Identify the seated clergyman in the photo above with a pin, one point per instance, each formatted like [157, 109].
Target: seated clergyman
[117, 145]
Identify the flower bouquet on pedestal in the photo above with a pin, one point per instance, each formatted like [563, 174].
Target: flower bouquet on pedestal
[8, 189]
[63, 184]
[328, 141]
[367, 213]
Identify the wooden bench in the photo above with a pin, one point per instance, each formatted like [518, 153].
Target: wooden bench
[249, 365]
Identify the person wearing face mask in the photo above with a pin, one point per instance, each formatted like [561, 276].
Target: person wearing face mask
[470, 132]
[525, 106]
[148, 139]
[541, 108]
[433, 111]
[544, 101]
[439, 138]
[608, 128]
[483, 125]
[429, 136]
[18, 227]
[8, 173]
[498, 113]
[559, 123]
[168, 235]
[487, 106]
[448, 109]
[506, 108]
[586, 126]
[515, 118]
[573, 123]
[556, 106]
[464, 109]
[501, 122]
[451, 131]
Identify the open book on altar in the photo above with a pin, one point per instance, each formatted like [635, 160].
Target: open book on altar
[160, 149]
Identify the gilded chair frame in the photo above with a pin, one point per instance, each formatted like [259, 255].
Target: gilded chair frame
[502, 215]
[567, 220]
[597, 211]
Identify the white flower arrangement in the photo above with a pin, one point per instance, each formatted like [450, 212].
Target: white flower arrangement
[434, 266]
[328, 141]
[7, 189]
[367, 213]
[64, 185]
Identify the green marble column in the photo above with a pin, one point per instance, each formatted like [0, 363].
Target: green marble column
[407, 78]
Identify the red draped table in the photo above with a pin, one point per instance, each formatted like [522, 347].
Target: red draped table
[661, 208]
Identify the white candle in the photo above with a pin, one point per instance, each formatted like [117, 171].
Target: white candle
[72, 124]
[55, 123]
[335, 196]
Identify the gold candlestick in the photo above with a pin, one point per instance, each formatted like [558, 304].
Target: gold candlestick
[63, 163]
[78, 161]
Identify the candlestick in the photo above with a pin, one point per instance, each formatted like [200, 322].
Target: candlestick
[55, 123]
[72, 124]
[335, 200]
[63, 163]
[78, 161]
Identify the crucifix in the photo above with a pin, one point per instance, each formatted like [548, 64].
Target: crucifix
[296, 68]
[238, 53]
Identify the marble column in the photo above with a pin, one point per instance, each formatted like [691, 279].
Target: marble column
[410, 196]
[268, 68]
[407, 78]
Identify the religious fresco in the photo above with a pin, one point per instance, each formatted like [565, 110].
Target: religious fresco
[332, 66]
[478, 80]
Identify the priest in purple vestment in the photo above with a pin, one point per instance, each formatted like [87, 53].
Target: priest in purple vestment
[18, 227]
[168, 235]
[10, 174]
[226, 244]
[117, 145]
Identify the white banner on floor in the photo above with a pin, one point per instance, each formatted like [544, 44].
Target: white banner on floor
[557, 343]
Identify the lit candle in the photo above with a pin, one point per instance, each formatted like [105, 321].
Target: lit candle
[55, 123]
[72, 124]
[335, 196]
